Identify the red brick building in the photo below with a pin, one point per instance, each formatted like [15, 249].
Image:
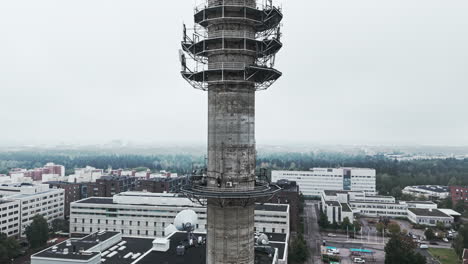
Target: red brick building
[459, 193]
[289, 195]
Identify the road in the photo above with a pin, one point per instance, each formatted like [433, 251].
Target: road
[312, 232]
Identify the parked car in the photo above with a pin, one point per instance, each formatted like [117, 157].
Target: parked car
[359, 260]
[433, 243]
[423, 246]
[331, 235]
[445, 239]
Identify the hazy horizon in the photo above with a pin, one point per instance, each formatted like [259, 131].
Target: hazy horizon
[354, 73]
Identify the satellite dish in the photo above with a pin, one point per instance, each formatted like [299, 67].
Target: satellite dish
[262, 240]
[186, 220]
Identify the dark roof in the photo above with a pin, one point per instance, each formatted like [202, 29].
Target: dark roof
[420, 202]
[271, 207]
[333, 193]
[197, 255]
[345, 207]
[5, 201]
[97, 200]
[427, 212]
[433, 188]
[332, 203]
[134, 245]
[84, 244]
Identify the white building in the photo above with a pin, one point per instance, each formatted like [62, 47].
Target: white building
[428, 191]
[313, 182]
[9, 217]
[88, 174]
[142, 214]
[429, 217]
[33, 200]
[340, 204]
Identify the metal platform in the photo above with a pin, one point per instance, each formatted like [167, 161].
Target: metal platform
[261, 19]
[262, 77]
[262, 191]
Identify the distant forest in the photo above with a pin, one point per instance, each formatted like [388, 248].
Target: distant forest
[392, 175]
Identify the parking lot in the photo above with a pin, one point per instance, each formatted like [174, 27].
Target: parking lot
[374, 253]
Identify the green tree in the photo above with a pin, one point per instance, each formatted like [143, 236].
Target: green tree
[440, 226]
[453, 181]
[298, 252]
[37, 232]
[460, 207]
[356, 226]
[9, 248]
[346, 224]
[60, 225]
[401, 250]
[429, 234]
[323, 221]
[461, 241]
[380, 227]
[394, 228]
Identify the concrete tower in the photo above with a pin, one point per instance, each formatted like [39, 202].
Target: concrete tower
[231, 54]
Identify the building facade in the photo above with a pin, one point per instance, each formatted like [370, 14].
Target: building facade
[289, 194]
[312, 183]
[459, 194]
[144, 214]
[428, 191]
[9, 217]
[429, 217]
[72, 193]
[35, 200]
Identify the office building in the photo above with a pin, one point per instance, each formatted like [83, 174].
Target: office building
[429, 217]
[143, 214]
[35, 199]
[312, 183]
[9, 217]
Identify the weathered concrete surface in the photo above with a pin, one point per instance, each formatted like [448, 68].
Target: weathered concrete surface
[231, 155]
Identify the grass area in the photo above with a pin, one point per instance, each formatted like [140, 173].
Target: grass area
[445, 255]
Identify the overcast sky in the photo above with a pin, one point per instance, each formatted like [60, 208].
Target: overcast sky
[355, 72]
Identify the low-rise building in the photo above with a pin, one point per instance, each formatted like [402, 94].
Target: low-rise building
[144, 214]
[312, 183]
[113, 247]
[428, 191]
[340, 204]
[429, 217]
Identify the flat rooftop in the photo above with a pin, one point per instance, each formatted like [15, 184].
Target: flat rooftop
[334, 193]
[110, 200]
[345, 207]
[432, 188]
[332, 203]
[197, 255]
[73, 246]
[427, 212]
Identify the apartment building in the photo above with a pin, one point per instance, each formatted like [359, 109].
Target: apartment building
[311, 183]
[143, 214]
[9, 217]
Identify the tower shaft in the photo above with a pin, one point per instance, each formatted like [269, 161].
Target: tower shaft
[236, 57]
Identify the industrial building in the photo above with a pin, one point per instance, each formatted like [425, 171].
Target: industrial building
[113, 247]
[33, 199]
[142, 214]
[312, 183]
[230, 53]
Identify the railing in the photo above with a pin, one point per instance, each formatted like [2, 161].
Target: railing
[231, 34]
[226, 66]
[203, 4]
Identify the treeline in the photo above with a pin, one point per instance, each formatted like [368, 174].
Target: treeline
[174, 163]
[392, 175]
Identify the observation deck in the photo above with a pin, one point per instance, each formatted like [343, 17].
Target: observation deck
[262, 19]
[197, 188]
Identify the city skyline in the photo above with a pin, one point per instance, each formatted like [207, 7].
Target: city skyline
[372, 73]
